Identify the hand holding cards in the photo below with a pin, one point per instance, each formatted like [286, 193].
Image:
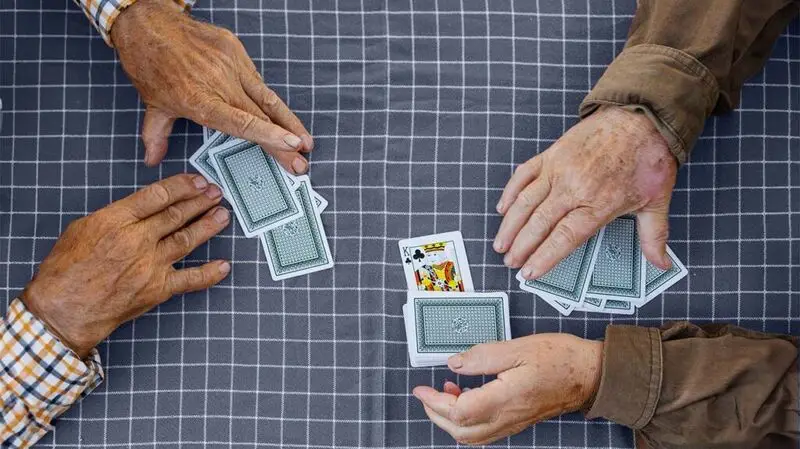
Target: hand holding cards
[280, 208]
[442, 315]
[608, 273]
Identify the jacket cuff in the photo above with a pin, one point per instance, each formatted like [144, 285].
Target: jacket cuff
[631, 379]
[677, 88]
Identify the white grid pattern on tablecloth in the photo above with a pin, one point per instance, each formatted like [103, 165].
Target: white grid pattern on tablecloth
[420, 112]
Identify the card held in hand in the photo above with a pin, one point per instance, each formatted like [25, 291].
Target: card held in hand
[300, 246]
[255, 185]
[658, 280]
[437, 263]
[619, 272]
[569, 280]
[445, 323]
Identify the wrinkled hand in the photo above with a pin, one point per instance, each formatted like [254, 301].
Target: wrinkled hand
[116, 264]
[538, 377]
[186, 68]
[610, 164]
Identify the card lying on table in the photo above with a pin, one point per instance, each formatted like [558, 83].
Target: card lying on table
[300, 246]
[436, 262]
[256, 186]
[440, 324]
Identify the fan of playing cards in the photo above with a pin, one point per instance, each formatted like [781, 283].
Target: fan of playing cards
[280, 208]
[606, 274]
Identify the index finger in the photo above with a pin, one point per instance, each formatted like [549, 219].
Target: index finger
[220, 115]
[523, 175]
[162, 194]
[273, 106]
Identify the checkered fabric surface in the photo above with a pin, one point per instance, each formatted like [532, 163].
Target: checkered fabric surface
[420, 111]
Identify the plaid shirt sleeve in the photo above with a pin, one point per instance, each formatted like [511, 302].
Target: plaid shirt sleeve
[40, 378]
[103, 13]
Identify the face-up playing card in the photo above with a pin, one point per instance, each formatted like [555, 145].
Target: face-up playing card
[255, 185]
[568, 281]
[300, 246]
[440, 324]
[619, 272]
[436, 263]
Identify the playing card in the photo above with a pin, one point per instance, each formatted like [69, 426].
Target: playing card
[207, 133]
[568, 281]
[436, 263]
[590, 304]
[658, 280]
[618, 307]
[300, 246]
[320, 203]
[255, 185]
[200, 158]
[440, 324]
[619, 272]
[561, 307]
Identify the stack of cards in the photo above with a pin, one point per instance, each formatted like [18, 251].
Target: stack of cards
[440, 324]
[608, 274]
[442, 315]
[280, 208]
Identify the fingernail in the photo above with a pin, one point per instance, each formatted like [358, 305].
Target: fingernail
[213, 192]
[221, 215]
[466, 389]
[666, 263]
[455, 362]
[147, 159]
[308, 141]
[292, 140]
[499, 207]
[527, 272]
[200, 182]
[507, 260]
[224, 268]
[299, 166]
[499, 246]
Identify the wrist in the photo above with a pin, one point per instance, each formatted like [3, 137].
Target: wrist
[592, 368]
[136, 17]
[33, 300]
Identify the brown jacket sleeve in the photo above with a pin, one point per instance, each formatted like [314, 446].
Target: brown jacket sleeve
[686, 386]
[685, 59]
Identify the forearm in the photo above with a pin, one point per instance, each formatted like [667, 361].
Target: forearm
[40, 378]
[712, 387]
[685, 59]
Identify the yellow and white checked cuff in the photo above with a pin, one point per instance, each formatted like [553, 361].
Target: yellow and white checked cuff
[103, 13]
[40, 378]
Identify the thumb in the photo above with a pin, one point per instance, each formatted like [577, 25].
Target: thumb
[155, 133]
[485, 358]
[653, 231]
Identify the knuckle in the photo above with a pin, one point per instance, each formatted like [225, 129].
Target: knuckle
[206, 110]
[527, 198]
[566, 233]
[174, 215]
[158, 193]
[197, 277]
[246, 122]
[183, 240]
[269, 98]
[459, 417]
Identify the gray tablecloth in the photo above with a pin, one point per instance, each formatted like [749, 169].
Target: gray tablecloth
[420, 111]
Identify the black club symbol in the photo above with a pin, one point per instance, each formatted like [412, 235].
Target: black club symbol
[418, 255]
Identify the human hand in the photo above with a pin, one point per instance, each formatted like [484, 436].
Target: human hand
[186, 68]
[115, 264]
[612, 163]
[538, 377]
